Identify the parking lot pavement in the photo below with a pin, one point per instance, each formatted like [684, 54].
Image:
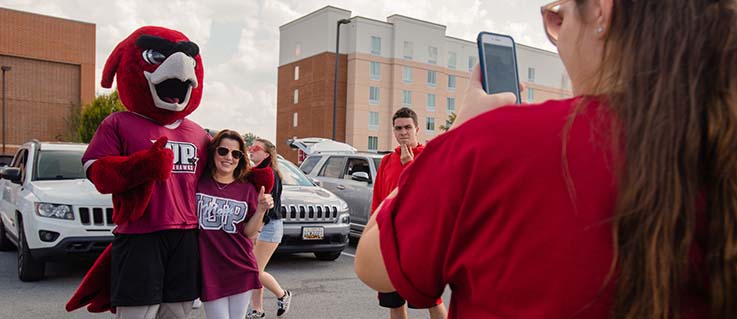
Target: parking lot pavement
[322, 289]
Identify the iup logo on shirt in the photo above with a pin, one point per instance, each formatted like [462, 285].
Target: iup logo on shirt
[185, 157]
[220, 213]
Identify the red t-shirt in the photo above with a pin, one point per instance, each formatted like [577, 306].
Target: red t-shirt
[171, 205]
[387, 176]
[486, 209]
[228, 264]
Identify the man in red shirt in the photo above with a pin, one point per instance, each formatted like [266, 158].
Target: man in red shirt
[405, 126]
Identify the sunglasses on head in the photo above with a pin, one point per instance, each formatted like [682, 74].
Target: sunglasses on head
[552, 20]
[255, 148]
[222, 151]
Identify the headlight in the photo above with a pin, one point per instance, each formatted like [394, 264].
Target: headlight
[345, 219]
[343, 207]
[58, 211]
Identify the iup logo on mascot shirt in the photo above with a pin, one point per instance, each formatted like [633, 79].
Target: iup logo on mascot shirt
[185, 156]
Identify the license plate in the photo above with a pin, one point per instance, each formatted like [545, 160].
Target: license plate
[313, 233]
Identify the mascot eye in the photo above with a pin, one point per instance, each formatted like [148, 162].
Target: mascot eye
[153, 56]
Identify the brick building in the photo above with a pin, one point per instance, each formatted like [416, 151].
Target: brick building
[384, 65]
[52, 71]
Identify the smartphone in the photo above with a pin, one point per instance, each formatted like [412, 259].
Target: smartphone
[498, 59]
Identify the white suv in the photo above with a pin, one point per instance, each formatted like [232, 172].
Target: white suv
[49, 209]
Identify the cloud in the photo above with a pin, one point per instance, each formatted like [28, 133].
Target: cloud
[240, 39]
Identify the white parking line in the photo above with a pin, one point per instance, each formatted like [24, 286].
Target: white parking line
[347, 254]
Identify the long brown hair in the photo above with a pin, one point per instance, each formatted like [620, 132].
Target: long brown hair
[243, 167]
[271, 149]
[669, 73]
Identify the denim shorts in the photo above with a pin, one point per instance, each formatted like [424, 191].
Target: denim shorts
[272, 232]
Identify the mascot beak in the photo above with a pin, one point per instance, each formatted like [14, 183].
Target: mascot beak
[172, 82]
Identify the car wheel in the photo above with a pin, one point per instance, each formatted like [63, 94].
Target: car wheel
[29, 269]
[5, 244]
[328, 256]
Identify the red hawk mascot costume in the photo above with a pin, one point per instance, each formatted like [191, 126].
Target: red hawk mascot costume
[150, 159]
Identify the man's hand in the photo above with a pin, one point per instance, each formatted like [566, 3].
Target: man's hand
[407, 155]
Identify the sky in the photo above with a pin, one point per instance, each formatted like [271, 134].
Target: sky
[239, 39]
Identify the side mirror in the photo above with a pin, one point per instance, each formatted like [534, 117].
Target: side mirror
[361, 177]
[316, 182]
[10, 173]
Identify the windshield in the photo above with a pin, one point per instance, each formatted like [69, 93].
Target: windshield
[291, 175]
[55, 165]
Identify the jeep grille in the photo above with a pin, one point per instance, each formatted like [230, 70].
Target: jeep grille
[309, 213]
[96, 216]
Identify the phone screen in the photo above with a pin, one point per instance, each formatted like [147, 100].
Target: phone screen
[499, 62]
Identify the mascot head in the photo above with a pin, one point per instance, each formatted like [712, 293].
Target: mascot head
[159, 73]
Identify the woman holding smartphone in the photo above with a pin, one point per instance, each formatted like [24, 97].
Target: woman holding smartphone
[618, 203]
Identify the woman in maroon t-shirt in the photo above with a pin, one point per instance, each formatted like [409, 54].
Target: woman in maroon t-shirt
[619, 203]
[230, 211]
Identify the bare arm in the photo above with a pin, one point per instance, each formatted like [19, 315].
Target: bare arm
[369, 265]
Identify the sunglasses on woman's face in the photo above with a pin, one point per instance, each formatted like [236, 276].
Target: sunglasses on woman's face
[552, 20]
[222, 151]
[255, 148]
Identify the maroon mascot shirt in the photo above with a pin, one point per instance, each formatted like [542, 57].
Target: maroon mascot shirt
[171, 205]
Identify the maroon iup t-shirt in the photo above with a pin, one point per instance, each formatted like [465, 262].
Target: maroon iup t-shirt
[171, 205]
[228, 264]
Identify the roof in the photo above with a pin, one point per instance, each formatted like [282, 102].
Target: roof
[62, 146]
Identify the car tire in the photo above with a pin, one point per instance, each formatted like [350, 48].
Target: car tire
[328, 255]
[5, 243]
[29, 269]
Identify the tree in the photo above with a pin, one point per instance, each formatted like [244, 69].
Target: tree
[249, 138]
[448, 122]
[95, 112]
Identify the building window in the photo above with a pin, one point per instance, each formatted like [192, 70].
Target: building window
[296, 96]
[451, 104]
[431, 103]
[373, 143]
[432, 78]
[408, 50]
[375, 45]
[451, 82]
[375, 70]
[297, 49]
[530, 94]
[451, 60]
[531, 74]
[430, 124]
[432, 55]
[407, 74]
[471, 62]
[373, 95]
[296, 73]
[373, 123]
[406, 98]
[295, 119]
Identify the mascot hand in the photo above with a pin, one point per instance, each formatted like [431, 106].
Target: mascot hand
[118, 174]
[262, 176]
[157, 161]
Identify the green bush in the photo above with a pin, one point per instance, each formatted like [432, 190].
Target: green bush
[95, 112]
